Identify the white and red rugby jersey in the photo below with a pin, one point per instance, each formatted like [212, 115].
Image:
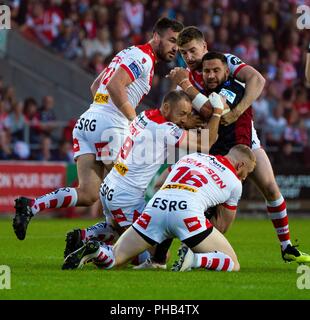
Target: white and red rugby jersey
[205, 181]
[138, 62]
[145, 149]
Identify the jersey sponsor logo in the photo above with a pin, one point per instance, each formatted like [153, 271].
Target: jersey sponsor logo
[135, 69]
[143, 61]
[235, 60]
[76, 145]
[144, 220]
[86, 124]
[119, 215]
[178, 187]
[163, 204]
[101, 98]
[121, 168]
[176, 131]
[215, 163]
[229, 95]
[192, 224]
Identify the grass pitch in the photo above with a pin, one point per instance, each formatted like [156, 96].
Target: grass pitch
[36, 268]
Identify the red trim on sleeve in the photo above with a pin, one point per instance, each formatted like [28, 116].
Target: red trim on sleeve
[239, 68]
[227, 206]
[128, 71]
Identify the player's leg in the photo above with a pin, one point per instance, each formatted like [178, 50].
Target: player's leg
[263, 177]
[90, 173]
[130, 244]
[213, 252]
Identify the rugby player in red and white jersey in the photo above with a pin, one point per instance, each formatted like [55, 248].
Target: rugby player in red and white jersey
[100, 131]
[193, 47]
[198, 181]
[154, 137]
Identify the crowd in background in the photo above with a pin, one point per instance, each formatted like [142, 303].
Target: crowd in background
[89, 32]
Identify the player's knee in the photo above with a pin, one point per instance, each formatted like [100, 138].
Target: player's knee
[87, 197]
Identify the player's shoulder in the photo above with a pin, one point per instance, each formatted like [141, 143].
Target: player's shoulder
[232, 89]
[233, 60]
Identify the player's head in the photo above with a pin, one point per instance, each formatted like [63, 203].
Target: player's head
[192, 46]
[214, 69]
[176, 107]
[164, 40]
[243, 159]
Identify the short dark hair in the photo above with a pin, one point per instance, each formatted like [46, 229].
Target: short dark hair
[214, 55]
[175, 96]
[188, 34]
[164, 24]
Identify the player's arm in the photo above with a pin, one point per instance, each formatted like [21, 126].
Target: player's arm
[224, 217]
[308, 66]
[226, 212]
[195, 142]
[180, 76]
[117, 88]
[254, 85]
[95, 85]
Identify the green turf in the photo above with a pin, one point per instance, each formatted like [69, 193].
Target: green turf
[35, 266]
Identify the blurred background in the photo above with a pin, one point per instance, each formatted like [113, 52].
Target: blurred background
[55, 49]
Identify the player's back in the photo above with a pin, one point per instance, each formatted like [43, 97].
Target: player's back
[203, 180]
[145, 150]
[138, 62]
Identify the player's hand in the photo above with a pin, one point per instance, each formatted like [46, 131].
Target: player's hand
[177, 75]
[216, 101]
[230, 117]
[194, 121]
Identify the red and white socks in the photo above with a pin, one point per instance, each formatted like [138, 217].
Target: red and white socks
[60, 198]
[101, 231]
[216, 260]
[105, 258]
[278, 215]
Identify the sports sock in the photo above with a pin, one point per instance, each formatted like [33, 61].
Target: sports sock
[101, 231]
[216, 260]
[278, 215]
[60, 198]
[105, 258]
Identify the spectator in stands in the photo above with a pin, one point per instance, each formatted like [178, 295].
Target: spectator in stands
[67, 43]
[275, 127]
[134, 13]
[101, 44]
[33, 120]
[47, 115]
[88, 24]
[5, 149]
[15, 122]
[63, 153]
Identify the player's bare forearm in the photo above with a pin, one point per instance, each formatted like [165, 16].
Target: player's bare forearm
[117, 88]
[192, 92]
[254, 85]
[95, 85]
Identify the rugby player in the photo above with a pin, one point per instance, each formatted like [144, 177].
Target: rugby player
[153, 139]
[100, 131]
[262, 176]
[198, 181]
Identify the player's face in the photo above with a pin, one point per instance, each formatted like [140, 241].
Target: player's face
[167, 45]
[214, 73]
[193, 52]
[179, 112]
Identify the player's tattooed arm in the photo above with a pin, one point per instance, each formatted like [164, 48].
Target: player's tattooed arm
[117, 88]
[254, 85]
